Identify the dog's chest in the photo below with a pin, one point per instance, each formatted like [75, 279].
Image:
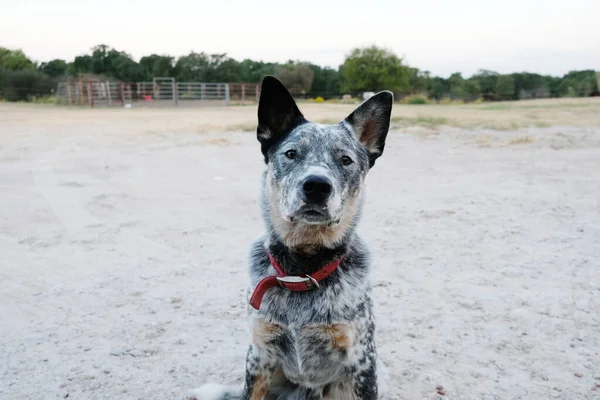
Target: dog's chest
[309, 354]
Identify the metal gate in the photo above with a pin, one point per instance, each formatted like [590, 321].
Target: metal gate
[161, 92]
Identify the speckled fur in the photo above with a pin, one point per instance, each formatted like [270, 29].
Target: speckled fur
[317, 344]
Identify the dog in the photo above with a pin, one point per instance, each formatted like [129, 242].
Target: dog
[310, 309]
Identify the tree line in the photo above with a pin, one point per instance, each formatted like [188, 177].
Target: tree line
[364, 69]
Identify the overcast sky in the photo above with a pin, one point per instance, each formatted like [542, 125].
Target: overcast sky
[442, 36]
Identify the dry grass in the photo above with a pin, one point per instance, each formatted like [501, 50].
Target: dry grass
[493, 116]
[420, 120]
[504, 116]
[222, 142]
[484, 141]
[521, 140]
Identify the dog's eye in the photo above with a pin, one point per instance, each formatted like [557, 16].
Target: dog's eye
[346, 160]
[291, 154]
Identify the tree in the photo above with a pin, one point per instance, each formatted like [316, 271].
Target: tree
[296, 77]
[81, 64]
[505, 87]
[254, 71]
[438, 87]
[472, 88]
[14, 60]
[54, 68]
[374, 69]
[202, 67]
[487, 81]
[156, 65]
[419, 80]
[108, 62]
[579, 83]
[24, 84]
[457, 86]
[365, 69]
[122, 67]
[228, 70]
[326, 81]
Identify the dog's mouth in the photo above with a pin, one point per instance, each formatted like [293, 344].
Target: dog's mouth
[313, 216]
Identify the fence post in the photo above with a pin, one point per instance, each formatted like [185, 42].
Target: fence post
[174, 91]
[69, 99]
[121, 90]
[90, 94]
[108, 93]
[257, 92]
[226, 94]
[243, 93]
[81, 89]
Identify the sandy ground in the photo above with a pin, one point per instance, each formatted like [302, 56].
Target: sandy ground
[124, 236]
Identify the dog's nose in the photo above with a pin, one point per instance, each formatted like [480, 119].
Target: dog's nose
[316, 188]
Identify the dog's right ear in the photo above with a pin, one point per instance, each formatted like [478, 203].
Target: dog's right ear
[277, 113]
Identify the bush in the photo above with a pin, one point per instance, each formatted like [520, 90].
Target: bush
[24, 85]
[414, 100]
[449, 101]
[319, 99]
[417, 100]
[45, 100]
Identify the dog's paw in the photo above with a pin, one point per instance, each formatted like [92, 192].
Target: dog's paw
[212, 391]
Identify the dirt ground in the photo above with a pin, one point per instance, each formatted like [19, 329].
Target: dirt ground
[124, 237]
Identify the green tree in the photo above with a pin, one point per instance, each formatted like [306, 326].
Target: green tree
[419, 80]
[24, 84]
[528, 86]
[505, 87]
[81, 64]
[228, 70]
[54, 68]
[122, 67]
[202, 67]
[578, 83]
[374, 69]
[438, 87]
[472, 88]
[457, 86]
[14, 60]
[156, 65]
[326, 81]
[487, 81]
[109, 62]
[254, 71]
[192, 67]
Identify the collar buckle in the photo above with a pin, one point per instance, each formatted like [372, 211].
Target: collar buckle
[309, 281]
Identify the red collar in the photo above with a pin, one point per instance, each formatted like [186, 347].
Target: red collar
[293, 283]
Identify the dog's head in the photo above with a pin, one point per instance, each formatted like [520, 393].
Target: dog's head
[315, 173]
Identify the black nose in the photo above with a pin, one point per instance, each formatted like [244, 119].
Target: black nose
[316, 188]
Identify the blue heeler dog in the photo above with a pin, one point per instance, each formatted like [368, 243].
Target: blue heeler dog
[313, 331]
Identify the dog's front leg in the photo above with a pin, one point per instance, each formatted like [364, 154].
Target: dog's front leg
[365, 380]
[260, 368]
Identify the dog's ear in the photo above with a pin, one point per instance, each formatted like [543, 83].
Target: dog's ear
[277, 113]
[370, 123]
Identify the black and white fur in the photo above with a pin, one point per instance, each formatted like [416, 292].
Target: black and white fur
[317, 344]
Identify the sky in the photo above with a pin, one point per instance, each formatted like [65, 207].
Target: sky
[441, 36]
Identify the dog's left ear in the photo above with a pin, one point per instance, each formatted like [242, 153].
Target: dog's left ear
[277, 113]
[370, 123]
